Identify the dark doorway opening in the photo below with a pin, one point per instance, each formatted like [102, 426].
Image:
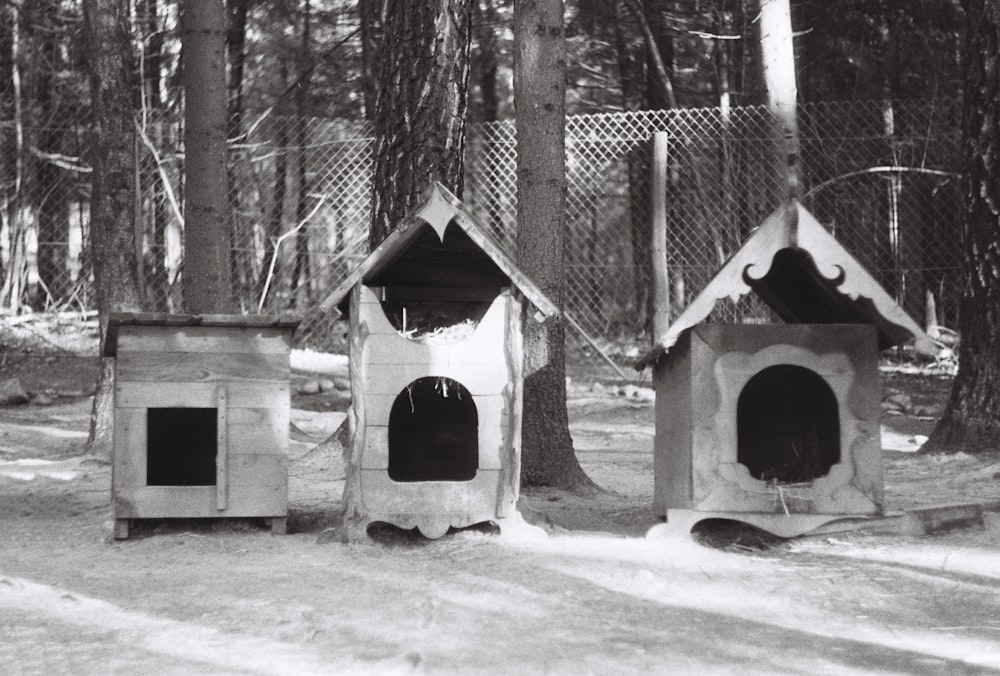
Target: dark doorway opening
[181, 445]
[433, 432]
[787, 425]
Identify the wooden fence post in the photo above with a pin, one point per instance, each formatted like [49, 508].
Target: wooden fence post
[658, 232]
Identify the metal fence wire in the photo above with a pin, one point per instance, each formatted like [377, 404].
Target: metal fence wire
[881, 176]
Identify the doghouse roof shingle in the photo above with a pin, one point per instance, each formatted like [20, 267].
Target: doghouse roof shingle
[439, 209]
[805, 276]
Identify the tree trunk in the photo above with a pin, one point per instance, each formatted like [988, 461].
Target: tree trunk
[154, 267]
[971, 422]
[275, 217]
[10, 295]
[629, 72]
[422, 100]
[112, 198]
[240, 230]
[207, 272]
[7, 156]
[659, 55]
[547, 456]
[52, 209]
[301, 272]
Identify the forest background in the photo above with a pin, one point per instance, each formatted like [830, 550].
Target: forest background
[879, 90]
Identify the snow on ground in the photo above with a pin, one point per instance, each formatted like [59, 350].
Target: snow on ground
[319, 363]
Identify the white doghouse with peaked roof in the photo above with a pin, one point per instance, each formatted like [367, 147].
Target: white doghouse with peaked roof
[435, 358]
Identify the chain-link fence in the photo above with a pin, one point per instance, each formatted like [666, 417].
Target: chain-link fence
[880, 176]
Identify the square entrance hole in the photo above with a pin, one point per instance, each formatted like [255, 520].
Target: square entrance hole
[181, 445]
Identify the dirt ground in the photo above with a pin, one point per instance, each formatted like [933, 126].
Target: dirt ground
[591, 596]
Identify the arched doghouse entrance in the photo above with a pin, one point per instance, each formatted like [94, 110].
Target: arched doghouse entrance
[433, 432]
[788, 425]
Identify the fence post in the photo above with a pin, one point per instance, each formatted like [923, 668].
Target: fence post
[658, 232]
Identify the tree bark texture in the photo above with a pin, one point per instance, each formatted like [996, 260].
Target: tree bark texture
[207, 272]
[112, 199]
[547, 456]
[422, 101]
[52, 207]
[241, 260]
[971, 421]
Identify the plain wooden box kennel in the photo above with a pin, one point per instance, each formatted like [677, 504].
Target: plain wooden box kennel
[201, 414]
[777, 424]
[435, 358]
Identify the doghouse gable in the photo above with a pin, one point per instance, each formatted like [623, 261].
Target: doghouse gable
[435, 358]
[805, 276]
[201, 411]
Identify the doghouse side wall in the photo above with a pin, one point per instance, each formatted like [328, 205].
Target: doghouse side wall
[672, 481]
[184, 367]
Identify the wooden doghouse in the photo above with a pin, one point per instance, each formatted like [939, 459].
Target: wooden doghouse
[435, 361]
[777, 425]
[201, 410]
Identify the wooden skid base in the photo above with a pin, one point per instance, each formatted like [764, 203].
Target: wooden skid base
[681, 521]
[432, 527]
[278, 524]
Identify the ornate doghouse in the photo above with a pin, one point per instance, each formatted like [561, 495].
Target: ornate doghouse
[201, 411]
[777, 425]
[435, 359]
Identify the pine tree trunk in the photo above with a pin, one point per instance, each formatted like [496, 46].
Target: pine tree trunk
[52, 207]
[154, 268]
[112, 200]
[240, 229]
[971, 422]
[422, 100]
[207, 283]
[301, 272]
[547, 456]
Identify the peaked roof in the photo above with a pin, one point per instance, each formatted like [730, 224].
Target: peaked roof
[438, 209]
[805, 276]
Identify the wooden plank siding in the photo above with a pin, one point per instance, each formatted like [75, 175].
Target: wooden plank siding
[200, 395]
[179, 502]
[201, 339]
[240, 369]
[206, 367]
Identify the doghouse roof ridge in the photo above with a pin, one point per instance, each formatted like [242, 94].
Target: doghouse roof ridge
[438, 209]
[119, 319]
[831, 285]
